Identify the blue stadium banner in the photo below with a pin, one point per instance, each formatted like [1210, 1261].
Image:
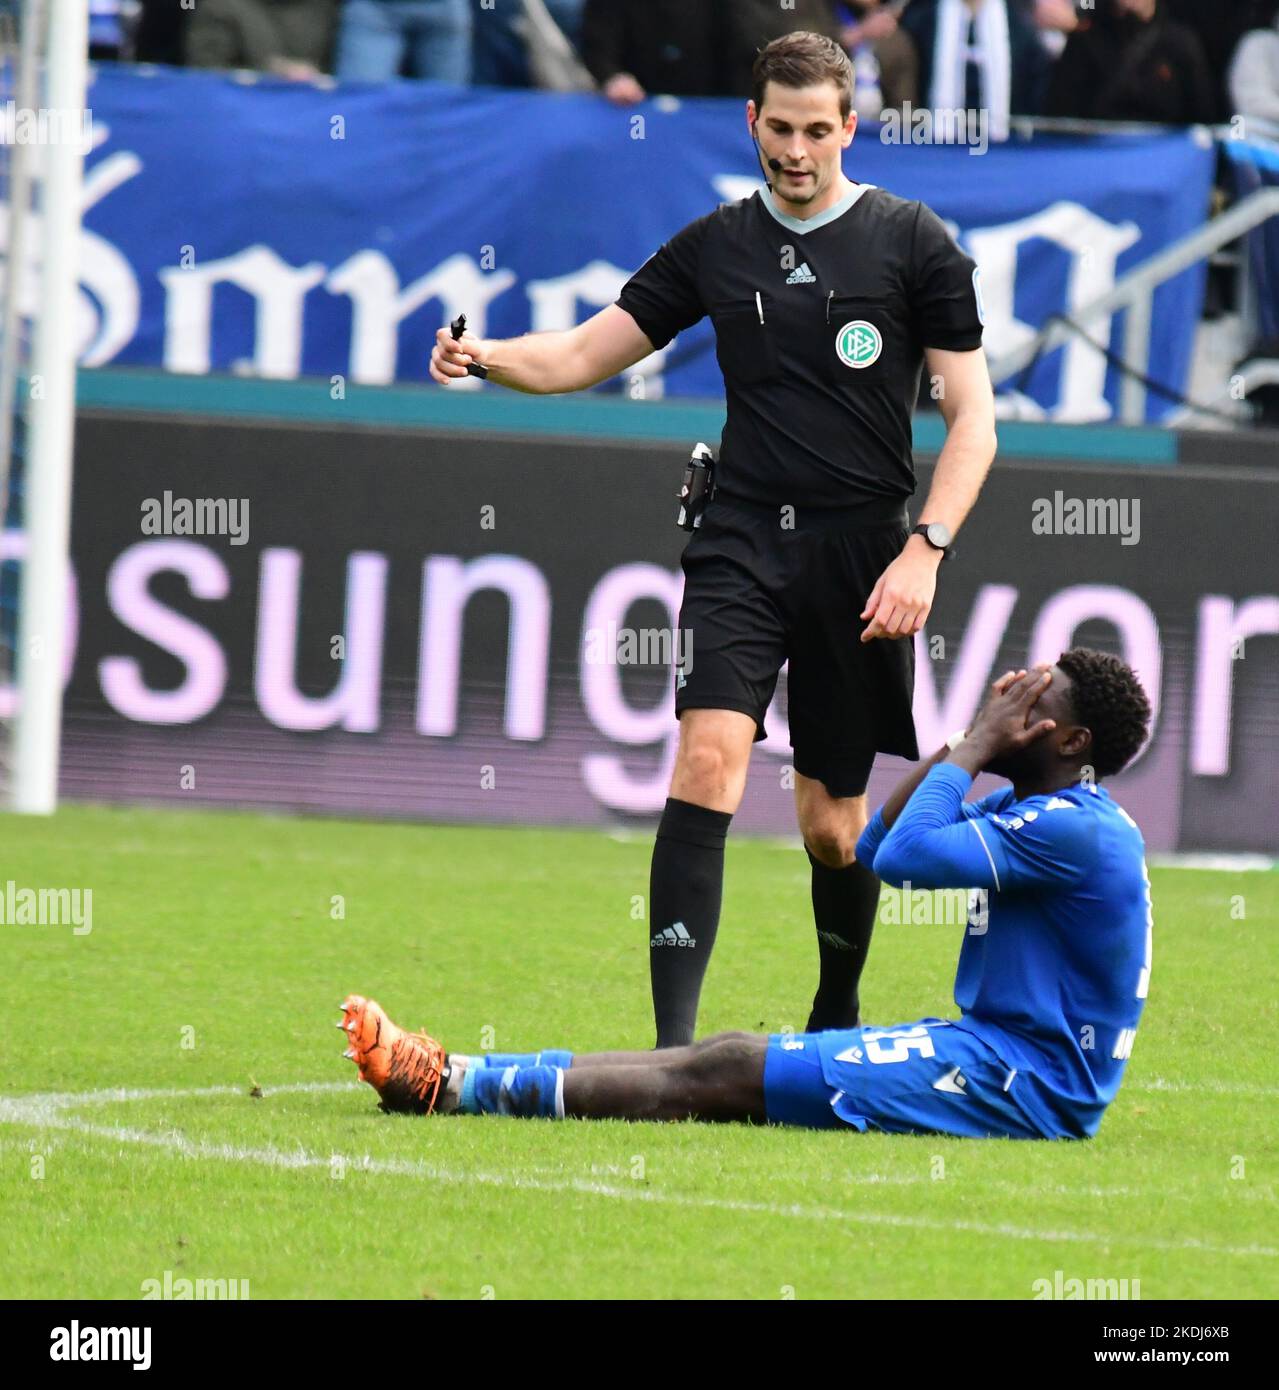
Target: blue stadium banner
[287, 230]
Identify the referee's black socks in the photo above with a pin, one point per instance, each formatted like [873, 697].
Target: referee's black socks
[686, 884]
[844, 906]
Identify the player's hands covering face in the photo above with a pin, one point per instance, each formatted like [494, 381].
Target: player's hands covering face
[1007, 722]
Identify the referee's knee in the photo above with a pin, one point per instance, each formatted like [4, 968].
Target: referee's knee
[832, 848]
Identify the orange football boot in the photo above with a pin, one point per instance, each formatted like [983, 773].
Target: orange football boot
[406, 1069]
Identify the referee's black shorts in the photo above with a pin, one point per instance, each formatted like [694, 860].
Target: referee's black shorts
[757, 595]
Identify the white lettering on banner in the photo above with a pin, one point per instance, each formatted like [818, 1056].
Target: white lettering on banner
[1094, 247]
[278, 290]
[108, 301]
[448, 584]
[607, 776]
[1221, 625]
[379, 306]
[131, 600]
[355, 701]
[634, 783]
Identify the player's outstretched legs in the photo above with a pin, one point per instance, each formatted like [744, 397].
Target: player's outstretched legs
[720, 1078]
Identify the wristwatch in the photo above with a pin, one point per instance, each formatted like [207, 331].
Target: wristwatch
[937, 534]
[956, 739]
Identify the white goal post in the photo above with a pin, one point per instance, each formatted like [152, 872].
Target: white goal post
[49, 406]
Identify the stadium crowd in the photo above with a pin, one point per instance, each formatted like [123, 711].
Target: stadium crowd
[1173, 61]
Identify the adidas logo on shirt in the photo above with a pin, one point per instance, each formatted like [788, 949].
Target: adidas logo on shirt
[801, 275]
[674, 936]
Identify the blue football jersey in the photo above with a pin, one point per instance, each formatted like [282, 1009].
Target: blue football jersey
[1055, 963]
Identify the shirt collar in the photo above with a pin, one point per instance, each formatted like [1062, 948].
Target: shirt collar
[811, 224]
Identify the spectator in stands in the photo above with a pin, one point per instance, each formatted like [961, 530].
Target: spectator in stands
[977, 55]
[500, 46]
[1127, 61]
[162, 30]
[885, 64]
[751, 24]
[1254, 74]
[634, 47]
[290, 38]
[1055, 20]
[111, 27]
[381, 39]
[1219, 29]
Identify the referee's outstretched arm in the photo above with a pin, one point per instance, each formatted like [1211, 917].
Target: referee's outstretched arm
[548, 363]
[900, 602]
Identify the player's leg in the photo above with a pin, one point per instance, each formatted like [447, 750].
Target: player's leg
[686, 878]
[845, 898]
[563, 1057]
[847, 699]
[720, 1078]
[732, 646]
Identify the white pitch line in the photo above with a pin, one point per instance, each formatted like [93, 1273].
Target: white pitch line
[1218, 1088]
[33, 1109]
[50, 1111]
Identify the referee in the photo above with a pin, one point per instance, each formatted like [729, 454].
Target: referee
[828, 298]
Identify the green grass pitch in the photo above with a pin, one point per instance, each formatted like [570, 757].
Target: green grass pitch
[216, 960]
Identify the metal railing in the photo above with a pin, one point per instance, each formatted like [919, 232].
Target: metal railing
[1134, 293]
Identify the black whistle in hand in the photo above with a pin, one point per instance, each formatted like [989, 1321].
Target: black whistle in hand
[456, 329]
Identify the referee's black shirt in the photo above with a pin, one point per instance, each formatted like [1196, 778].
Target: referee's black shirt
[820, 330]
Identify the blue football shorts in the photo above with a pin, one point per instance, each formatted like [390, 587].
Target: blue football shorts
[928, 1077]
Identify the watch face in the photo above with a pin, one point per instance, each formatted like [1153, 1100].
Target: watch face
[939, 535]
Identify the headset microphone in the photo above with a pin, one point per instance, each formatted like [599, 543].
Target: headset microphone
[774, 164]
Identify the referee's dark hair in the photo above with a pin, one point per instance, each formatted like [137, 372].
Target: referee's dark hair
[803, 59]
[1108, 700]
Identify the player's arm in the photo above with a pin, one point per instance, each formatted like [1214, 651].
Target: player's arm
[943, 288]
[902, 599]
[547, 363]
[886, 817]
[661, 299]
[933, 845]
[967, 404]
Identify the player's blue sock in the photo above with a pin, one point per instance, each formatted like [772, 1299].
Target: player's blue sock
[526, 1091]
[549, 1057]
